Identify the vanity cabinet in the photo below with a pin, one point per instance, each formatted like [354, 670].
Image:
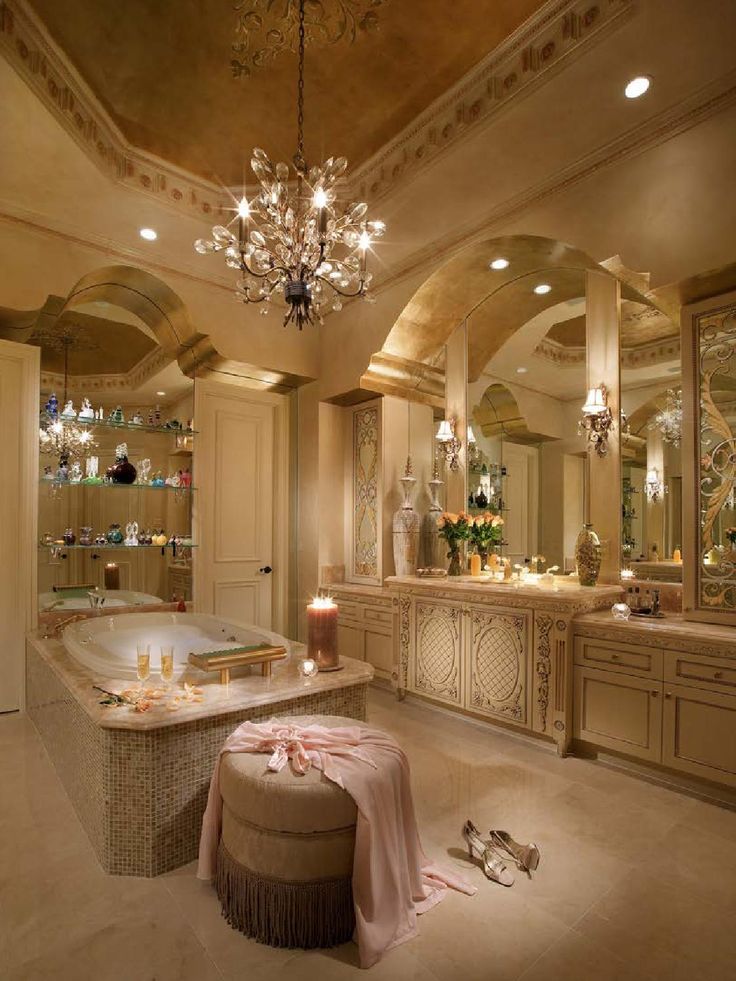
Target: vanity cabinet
[498, 645]
[674, 708]
[365, 627]
[437, 669]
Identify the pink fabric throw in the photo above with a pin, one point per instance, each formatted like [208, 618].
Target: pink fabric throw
[393, 881]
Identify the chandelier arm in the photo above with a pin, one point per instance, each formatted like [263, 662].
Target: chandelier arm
[359, 292]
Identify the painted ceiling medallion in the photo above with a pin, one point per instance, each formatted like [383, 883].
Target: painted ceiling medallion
[293, 236]
[265, 28]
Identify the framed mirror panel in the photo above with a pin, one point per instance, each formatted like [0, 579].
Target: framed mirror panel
[709, 454]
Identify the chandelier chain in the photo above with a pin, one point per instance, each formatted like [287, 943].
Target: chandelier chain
[299, 159]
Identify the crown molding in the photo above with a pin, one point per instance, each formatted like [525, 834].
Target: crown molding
[653, 353]
[30, 50]
[121, 382]
[556, 32]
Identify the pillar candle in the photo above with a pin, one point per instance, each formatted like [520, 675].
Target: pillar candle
[112, 576]
[322, 632]
[475, 564]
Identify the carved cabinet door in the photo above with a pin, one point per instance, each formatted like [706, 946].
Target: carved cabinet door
[437, 668]
[497, 655]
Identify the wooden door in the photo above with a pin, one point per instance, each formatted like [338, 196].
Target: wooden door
[699, 732]
[19, 401]
[619, 712]
[438, 663]
[236, 453]
[498, 652]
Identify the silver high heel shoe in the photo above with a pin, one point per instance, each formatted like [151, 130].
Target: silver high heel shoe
[493, 867]
[525, 856]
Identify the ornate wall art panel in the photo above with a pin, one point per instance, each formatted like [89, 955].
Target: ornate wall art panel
[266, 28]
[709, 450]
[438, 651]
[498, 649]
[366, 468]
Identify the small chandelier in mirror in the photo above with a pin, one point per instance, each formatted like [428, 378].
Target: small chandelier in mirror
[654, 487]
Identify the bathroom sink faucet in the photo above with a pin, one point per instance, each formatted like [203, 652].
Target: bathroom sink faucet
[55, 631]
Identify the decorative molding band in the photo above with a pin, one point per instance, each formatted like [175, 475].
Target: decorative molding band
[544, 41]
[155, 361]
[31, 51]
[656, 352]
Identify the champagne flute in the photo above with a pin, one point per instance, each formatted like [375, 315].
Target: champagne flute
[143, 665]
[167, 664]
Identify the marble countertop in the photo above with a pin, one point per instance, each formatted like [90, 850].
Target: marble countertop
[246, 689]
[573, 595]
[350, 587]
[670, 630]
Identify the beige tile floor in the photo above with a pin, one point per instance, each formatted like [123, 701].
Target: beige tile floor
[636, 882]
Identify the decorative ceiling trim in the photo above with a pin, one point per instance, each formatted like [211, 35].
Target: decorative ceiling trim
[655, 352]
[30, 50]
[150, 365]
[558, 29]
[544, 41]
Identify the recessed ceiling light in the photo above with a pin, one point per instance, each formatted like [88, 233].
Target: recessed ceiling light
[637, 86]
[542, 288]
[160, 393]
[521, 371]
[148, 234]
[499, 263]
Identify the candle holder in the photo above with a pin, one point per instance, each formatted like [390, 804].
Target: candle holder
[322, 633]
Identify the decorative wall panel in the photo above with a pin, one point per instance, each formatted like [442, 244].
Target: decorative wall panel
[366, 459]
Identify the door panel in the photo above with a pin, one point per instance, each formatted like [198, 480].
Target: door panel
[619, 712]
[700, 733]
[234, 507]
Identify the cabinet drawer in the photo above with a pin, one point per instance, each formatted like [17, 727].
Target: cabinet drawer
[701, 672]
[619, 712]
[618, 657]
[347, 610]
[375, 615]
[700, 733]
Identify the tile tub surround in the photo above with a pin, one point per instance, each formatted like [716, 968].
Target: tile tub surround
[138, 782]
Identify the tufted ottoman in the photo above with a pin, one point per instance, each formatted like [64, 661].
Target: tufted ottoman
[285, 858]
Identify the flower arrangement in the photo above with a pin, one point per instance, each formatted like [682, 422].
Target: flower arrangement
[454, 528]
[730, 534]
[486, 530]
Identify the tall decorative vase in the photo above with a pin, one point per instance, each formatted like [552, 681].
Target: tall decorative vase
[433, 547]
[588, 556]
[406, 528]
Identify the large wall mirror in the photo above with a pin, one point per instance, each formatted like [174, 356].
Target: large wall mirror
[527, 461]
[111, 533]
[651, 444]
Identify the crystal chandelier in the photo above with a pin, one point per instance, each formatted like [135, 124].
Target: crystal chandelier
[59, 436]
[295, 238]
[668, 420]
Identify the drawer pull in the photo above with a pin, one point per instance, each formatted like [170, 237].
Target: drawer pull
[654, 693]
[717, 674]
[614, 657]
[668, 694]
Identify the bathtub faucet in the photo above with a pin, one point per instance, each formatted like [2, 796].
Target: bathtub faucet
[60, 624]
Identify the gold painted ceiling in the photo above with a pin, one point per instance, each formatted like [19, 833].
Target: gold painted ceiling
[639, 325]
[162, 70]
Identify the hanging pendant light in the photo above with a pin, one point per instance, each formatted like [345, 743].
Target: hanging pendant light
[294, 238]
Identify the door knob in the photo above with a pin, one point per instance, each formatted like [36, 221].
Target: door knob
[266, 570]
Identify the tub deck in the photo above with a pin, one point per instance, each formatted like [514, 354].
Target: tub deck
[139, 781]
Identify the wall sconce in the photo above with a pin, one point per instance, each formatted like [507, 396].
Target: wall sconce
[472, 445]
[449, 444]
[654, 488]
[597, 420]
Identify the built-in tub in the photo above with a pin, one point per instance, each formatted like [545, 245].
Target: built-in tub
[106, 646]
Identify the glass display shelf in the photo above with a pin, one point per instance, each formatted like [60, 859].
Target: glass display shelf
[45, 481]
[45, 419]
[107, 546]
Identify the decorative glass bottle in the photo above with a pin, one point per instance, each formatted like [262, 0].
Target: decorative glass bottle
[588, 556]
[122, 471]
[406, 528]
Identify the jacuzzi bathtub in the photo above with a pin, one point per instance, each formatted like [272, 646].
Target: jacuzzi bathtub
[107, 645]
[112, 597]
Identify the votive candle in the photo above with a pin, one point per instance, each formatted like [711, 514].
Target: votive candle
[322, 632]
